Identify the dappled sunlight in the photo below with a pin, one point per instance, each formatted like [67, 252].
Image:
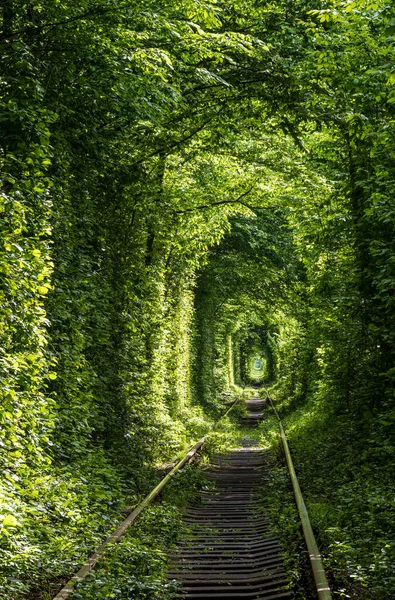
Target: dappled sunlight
[196, 207]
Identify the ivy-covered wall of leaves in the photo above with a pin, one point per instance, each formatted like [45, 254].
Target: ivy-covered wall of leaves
[175, 176]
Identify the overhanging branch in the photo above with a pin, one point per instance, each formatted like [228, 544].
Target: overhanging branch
[237, 200]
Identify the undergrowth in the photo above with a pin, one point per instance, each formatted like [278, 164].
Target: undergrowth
[278, 504]
[346, 470]
[136, 567]
[54, 520]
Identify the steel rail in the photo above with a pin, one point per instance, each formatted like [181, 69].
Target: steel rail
[321, 582]
[87, 567]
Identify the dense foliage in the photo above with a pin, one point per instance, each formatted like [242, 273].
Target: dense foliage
[189, 187]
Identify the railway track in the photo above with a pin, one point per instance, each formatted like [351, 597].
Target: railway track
[230, 552]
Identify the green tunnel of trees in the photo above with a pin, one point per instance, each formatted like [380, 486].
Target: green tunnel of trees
[188, 187]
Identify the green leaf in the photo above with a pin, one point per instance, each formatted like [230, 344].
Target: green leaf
[10, 521]
[43, 289]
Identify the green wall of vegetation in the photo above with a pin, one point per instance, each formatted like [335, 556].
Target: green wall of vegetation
[185, 184]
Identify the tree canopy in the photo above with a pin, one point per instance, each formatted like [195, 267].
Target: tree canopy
[188, 186]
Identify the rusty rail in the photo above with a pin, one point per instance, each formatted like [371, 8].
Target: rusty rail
[87, 567]
[321, 582]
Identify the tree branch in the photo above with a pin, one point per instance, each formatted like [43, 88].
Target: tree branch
[165, 149]
[220, 202]
[96, 11]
